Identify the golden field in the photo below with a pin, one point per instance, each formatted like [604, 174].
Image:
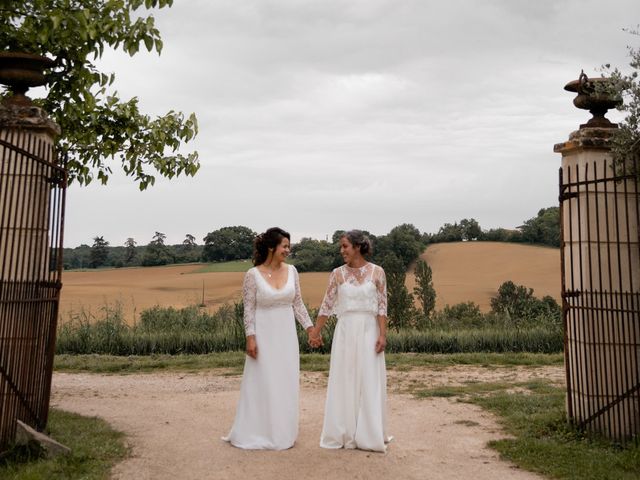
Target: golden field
[463, 271]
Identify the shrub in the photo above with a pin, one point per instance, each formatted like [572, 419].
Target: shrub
[460, 315]
[518, 304]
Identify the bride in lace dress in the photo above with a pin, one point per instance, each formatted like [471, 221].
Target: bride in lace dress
[354, 415]
[267, 413]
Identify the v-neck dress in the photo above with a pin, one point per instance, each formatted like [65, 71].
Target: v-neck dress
[355, 408]
[267, 412]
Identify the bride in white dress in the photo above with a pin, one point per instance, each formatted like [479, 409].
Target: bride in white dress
[355, 415]
[267, 413]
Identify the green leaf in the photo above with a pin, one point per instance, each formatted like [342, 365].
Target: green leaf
[148, 41]
[98, 127]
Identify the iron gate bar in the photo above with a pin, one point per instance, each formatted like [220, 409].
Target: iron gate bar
[589, 349]
[582, 383]
[611, 306]
[618, 399]
[17, 391]
[625, 298]
[30, 289]
[565, 308]
[601, 316]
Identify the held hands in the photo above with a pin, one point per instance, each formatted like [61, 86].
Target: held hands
[315, 339]
[381, 344]
[252, 346]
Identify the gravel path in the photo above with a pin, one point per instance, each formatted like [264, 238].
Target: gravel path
[174, 422]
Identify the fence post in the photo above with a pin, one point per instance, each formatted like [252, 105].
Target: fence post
[600, 257]
[31, 212]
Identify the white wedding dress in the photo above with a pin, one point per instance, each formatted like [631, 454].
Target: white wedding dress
[267, 413]
[354, 415]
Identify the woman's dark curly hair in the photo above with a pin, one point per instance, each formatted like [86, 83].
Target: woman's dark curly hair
[266, 241]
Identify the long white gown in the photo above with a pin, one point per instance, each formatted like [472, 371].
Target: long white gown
[355, 409]
[267, 413]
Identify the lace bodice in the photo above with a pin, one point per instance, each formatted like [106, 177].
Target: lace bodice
[356, 289]
[257, 293]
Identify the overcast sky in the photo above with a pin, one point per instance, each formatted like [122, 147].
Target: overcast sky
[337, 114]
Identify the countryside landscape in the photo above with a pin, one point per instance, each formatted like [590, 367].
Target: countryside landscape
[464, 271]
[169, 338]
[488, 151]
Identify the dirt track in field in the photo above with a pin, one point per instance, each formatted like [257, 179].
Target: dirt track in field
[465, 271]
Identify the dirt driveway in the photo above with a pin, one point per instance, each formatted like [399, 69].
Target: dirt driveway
[174, 422]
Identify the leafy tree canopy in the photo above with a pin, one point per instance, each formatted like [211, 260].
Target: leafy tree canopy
[544, 228]
[228, 243]
[99, 252]
[156, 252]
[310, 255]
[97, 125]
[626, 85]
[404, 241]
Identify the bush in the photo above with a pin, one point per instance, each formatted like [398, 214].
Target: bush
[460, 315]
[518, 306]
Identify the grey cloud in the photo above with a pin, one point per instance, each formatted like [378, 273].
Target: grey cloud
[320, 115]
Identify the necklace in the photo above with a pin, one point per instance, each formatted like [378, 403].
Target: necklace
[270, 271]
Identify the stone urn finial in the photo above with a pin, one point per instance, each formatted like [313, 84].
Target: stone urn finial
[591, 96]
[21, 71]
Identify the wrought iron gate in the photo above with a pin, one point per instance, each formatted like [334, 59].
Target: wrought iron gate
[600, 255]
[32, 198]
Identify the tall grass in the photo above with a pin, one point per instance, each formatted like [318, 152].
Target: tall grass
[192, 330]
[159, 330]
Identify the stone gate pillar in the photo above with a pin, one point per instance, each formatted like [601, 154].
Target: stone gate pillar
[600, 273]
[31, 205]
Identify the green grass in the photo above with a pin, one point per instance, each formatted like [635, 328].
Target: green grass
[473, 389]
[148, 363]
[95, 448]
[400, 360]
[543, 441]
[235, 266]
[546, 444]
[316, 362]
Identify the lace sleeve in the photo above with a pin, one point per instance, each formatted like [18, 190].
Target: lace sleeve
[299, 309]
[381, 292]
[330, 296]
[249, 300]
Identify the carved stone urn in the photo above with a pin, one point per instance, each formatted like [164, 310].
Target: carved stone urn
[593, 96]
[21, 71]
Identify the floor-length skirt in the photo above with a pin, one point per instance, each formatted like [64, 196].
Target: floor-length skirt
[355, 409]
[267, 413]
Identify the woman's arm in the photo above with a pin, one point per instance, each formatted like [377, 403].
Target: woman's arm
[249, 301]
[381, 343]
[299, 308]
[381, 294]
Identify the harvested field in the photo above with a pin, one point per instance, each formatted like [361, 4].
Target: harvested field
[461, 272]
[473, 271]
[137, 289]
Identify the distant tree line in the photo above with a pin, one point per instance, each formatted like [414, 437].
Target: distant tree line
[396, 250]
[404, 243]
[543, 229]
